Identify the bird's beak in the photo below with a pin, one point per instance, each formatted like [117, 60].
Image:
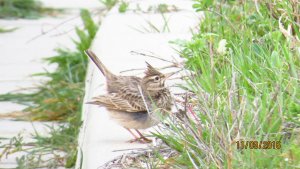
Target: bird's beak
[169, 75]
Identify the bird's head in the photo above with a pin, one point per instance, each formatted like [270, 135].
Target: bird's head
[153, 79]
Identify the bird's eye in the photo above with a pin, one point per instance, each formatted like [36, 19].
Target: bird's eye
[156, 78]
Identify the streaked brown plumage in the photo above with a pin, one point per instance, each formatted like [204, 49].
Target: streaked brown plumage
[129, 97]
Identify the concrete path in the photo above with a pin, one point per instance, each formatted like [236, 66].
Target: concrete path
[19, 59]
[118, 36]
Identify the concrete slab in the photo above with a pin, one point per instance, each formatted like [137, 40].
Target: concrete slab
[10, 128]
[10, 107]
[113, 44]
[132, 23]
[72, 4]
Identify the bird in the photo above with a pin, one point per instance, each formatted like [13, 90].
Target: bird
[134, 102]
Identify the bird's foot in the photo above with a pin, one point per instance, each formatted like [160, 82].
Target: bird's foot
[142, 140]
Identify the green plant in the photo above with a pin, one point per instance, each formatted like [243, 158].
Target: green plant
[162, 8]
[109, 3]
[30, 9]
[5, 30]
[123, 7]
[245, 87]
[59, 99]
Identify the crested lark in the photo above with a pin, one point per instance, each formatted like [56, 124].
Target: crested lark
[132, 101]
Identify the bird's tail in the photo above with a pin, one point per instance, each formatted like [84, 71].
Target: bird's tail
[99, 64]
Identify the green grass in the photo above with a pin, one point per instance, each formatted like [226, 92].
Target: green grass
[29, 9]
[109, 3]
[249, 91]
[123, 7]
[6, 30]
[59, 99]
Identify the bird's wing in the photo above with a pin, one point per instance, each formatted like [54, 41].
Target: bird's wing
[128, 101]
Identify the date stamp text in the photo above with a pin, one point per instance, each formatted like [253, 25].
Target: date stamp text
[241, 144]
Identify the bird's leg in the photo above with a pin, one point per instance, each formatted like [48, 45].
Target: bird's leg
[136, 137]
[143, 137]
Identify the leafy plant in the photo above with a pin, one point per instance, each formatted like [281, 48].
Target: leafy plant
[109, 3]
[123, 7]
[5, 30]
[162, 8]
[30, 9]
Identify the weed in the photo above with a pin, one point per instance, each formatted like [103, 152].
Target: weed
[30, 9]
[109, 3]
[162, 8]
[6, 30]
[123, 7]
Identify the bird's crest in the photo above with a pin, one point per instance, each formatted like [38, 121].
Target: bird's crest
[151, 71]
